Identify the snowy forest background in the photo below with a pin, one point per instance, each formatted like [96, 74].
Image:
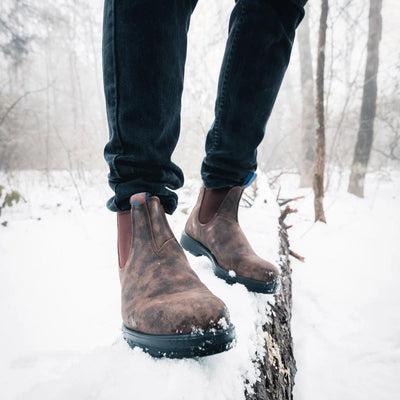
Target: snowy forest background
[59, 287]
[52, 112]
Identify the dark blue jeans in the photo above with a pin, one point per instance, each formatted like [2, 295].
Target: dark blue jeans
[144, 54]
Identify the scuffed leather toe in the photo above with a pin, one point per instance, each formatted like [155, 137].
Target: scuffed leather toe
[254, 267]
[182, 313]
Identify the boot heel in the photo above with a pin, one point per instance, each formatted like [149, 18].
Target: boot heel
[190, 245]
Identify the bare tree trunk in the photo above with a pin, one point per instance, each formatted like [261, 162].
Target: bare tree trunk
[308, 106]
[48, 112]
[319, 165]
[365, 135]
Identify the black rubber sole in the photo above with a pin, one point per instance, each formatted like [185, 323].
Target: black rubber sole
[197, 249]
[182, 346]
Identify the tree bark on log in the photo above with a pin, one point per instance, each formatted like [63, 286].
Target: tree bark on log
[278, 366]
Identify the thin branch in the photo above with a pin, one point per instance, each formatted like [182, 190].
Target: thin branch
[14, 104]
[295, 255]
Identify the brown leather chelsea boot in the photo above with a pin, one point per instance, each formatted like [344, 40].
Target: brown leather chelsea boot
[222, 240]
[166, 309]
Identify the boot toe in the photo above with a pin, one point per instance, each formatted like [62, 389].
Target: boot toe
[254, 267]
[182, 313]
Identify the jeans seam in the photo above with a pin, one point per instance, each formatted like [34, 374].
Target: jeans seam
[117, 130]
[226, 74]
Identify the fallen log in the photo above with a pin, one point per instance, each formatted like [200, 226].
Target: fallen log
[277, 367]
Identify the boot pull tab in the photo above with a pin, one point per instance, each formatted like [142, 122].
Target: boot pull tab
[139, 198]
[249, 179]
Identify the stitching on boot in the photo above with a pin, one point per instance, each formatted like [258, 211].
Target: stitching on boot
[154, 246]
[165, 243]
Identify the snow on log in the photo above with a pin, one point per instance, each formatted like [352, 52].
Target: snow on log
[278, 366]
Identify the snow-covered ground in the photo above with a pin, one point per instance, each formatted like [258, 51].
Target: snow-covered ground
[60, 301]
[59, 297]
[346, 321]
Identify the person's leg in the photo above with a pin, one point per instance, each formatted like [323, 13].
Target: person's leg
[261, 34]
[144, 53]
[166, 309]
